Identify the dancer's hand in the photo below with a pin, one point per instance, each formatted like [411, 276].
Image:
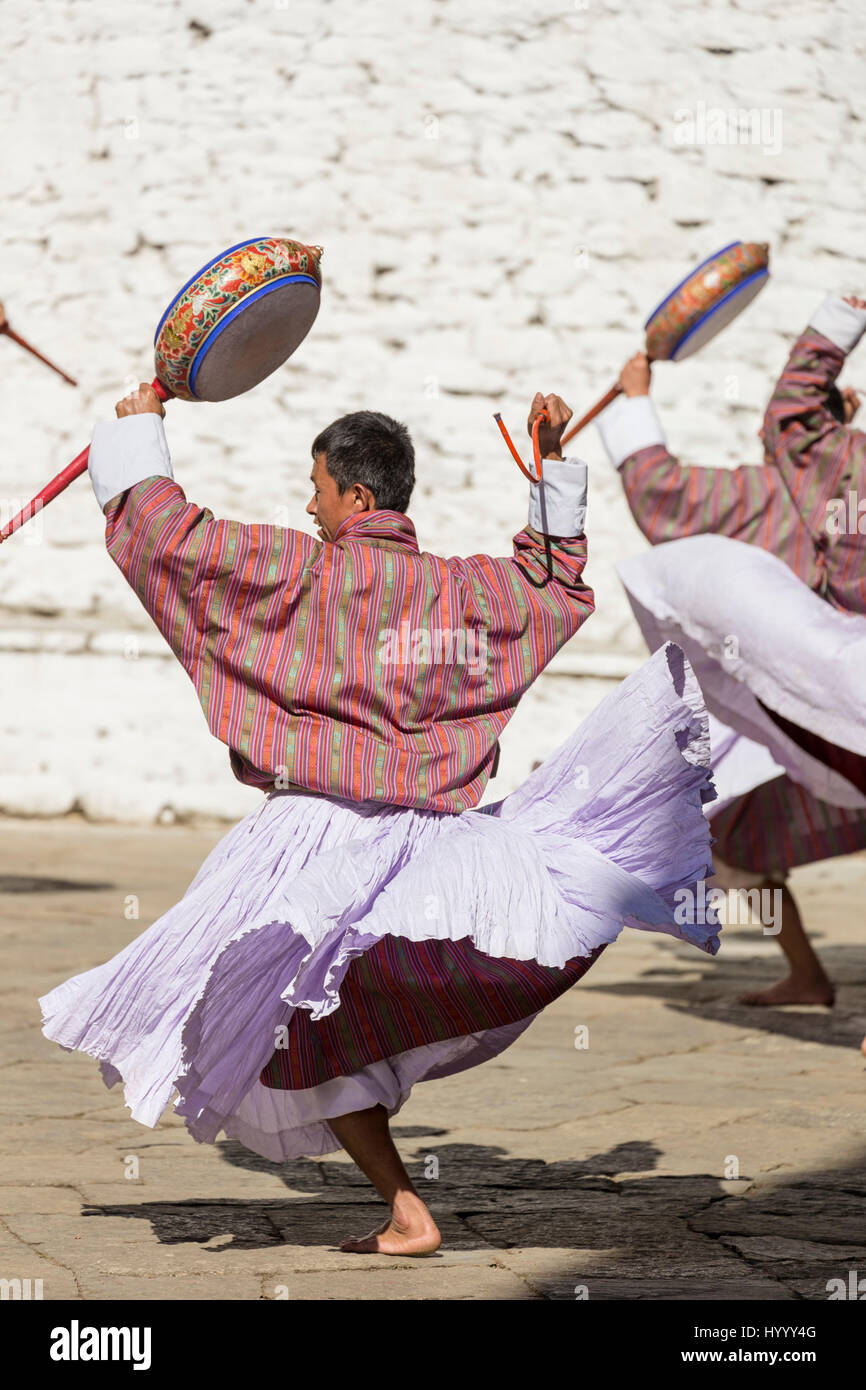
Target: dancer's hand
[850, 402]
[549, 435]
[635, 375]
[854, 302]
[144, 401]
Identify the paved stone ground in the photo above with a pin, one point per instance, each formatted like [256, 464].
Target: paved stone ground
[605, 1170]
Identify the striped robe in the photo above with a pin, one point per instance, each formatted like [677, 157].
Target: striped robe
[817, 464]
[365, 669]
[362, 668]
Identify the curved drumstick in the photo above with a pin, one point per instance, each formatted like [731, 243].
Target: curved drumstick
[542, 418]
[61, 482]
[28, 347]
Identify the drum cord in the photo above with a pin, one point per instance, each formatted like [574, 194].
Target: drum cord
[542, 418]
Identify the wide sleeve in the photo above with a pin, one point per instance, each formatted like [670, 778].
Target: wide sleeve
[537, 593]
[798, 416]
[206, 584]
[669, 500]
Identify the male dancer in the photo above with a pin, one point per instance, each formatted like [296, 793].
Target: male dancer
[812, 462]
[367, 927]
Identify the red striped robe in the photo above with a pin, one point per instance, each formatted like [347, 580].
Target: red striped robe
[782, 507]
[285, 639]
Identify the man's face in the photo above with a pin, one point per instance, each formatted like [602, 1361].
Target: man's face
[328, 505]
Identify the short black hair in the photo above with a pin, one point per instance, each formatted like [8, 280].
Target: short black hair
[374, 450]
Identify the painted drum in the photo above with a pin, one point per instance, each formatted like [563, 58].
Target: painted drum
[707, 300]
[238, 319]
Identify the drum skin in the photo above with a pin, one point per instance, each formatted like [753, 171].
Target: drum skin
[706, 300]
[238, 319]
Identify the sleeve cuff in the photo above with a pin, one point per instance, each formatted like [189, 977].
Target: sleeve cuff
[840, 322]
[627, 425]
[125, 452]
[557, 505]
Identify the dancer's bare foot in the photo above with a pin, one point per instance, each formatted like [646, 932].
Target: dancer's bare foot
[793, 990]
[410, 1230]
[863, 1047]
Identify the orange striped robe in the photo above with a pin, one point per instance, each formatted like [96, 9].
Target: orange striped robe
[362, 668]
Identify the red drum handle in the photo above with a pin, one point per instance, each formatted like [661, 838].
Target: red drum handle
[599, 406]
[61, 482]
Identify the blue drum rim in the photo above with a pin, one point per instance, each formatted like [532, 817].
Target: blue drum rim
[298, 277]
[730, 246]
[749, 280]
[250, 241]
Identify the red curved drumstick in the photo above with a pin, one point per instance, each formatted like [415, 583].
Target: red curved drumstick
[542, 418]
[68, 475]
[28, 347]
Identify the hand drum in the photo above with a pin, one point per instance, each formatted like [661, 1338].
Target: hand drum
[706, 301]
[238, 319]
[697, 308]
[230, 326]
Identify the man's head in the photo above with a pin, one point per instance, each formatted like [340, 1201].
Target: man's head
[361, 463]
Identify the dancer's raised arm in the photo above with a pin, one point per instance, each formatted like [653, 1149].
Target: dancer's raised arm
[538, 591]
[668, 499]
[177, 557]
[806, 418]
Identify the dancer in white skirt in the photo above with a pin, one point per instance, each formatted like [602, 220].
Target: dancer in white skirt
[768, 596]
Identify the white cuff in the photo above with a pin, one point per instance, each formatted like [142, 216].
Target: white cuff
[557, 505]
[125, 452]
[840, 322]
[627, 425]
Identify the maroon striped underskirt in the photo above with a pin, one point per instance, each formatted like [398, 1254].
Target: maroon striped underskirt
[403, 994]
[779, 824]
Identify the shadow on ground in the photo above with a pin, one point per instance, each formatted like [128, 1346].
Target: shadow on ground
[642, 1236]
[710, 990]
[27, 883]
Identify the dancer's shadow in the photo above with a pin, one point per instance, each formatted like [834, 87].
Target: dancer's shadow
[462, 1183]
[642, 1236]
[711, 988]
[30, 883]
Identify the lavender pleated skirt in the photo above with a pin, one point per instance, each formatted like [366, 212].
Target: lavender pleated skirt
[784, 674]
[606, 833]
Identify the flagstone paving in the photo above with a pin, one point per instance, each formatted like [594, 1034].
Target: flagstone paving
[694, 1149]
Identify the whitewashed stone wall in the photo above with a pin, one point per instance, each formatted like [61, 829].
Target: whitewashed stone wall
[503, 193]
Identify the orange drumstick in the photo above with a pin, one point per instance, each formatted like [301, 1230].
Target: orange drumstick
[542, 418]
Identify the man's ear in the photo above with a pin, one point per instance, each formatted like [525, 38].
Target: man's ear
[363, 495]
